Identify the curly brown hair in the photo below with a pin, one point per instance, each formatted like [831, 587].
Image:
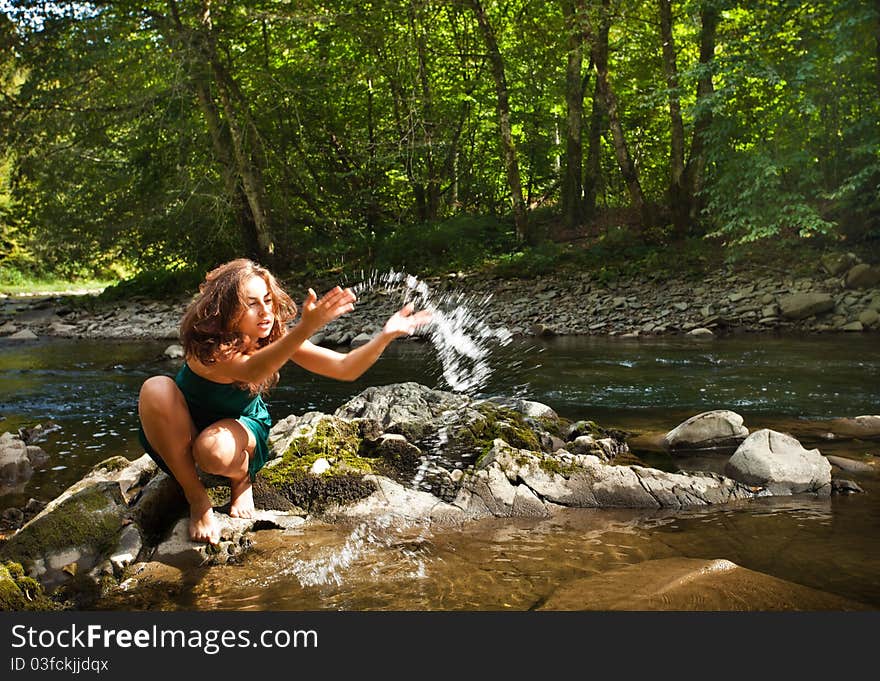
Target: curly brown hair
[209, 328]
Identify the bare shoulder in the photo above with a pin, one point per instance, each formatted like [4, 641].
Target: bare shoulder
[213, 372]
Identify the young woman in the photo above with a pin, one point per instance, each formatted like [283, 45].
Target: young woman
[235, 340]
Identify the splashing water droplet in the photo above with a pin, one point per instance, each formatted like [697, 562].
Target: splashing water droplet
[463, 341]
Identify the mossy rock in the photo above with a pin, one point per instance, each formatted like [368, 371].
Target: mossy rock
[90, 519]
[315, 493]
[111, 465]
[335, 440]
[18, 592]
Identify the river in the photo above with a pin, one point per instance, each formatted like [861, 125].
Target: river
[598, 558]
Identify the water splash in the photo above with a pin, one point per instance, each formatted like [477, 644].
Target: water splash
[379, 536]
[464, 342]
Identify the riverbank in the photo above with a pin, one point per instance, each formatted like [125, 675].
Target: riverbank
[839, 294]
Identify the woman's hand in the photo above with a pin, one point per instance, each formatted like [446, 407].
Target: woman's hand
[318, 313]
[405, 323]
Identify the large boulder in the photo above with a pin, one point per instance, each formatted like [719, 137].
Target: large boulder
[862, 276]
[717, 429]
[779, 463]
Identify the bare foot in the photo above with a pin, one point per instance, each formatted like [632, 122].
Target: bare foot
[203, 527]
[241, 504]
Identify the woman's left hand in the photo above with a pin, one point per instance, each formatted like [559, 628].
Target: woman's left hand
[406, 321]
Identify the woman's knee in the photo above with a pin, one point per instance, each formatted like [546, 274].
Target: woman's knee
[158, 391]
[219, 447]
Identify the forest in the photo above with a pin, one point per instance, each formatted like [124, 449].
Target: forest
[166, 135]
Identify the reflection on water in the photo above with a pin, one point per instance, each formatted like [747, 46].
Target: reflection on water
[797, 553]
[644, 387]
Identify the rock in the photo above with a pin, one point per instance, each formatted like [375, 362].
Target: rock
[838, 263]
[174, 351]
[717, 429]
[360, 339]
[320, 466]
[778, 462]
[12, 518]
[869, 318]
[682, 584]
[529, 408]
[24, 334]
[839, 486]
[866, 427]
[862, 276]
[15, 464]
[75, 528]
[853, 326]
[392, 499]
[179, 551]
[8, 328]
[851, 465]
[127, 549]
[803, 305]
[37, 456]
[701, 332]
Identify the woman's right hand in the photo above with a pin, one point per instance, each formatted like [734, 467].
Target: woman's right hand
[317, 313]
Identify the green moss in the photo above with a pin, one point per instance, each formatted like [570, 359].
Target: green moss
[314, 493]
[338, 442]
[334, 440]
[85, 519]
[113, 464]
[557, 467]
[503, 423]
[18, 592]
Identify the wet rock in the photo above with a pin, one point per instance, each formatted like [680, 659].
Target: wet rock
[75, 528]
[717, 429]
[851, 465]
[15, 464]
[778, 462]
[690, 584]
[839, 486]
[866, 427]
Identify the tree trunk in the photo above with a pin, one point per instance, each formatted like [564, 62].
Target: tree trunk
[572, 181]
[246, 146]
[621, 151]
[594, 151]
[508, 147]
[679, 198]
[187, 43]
[877, 46]
[696, 165]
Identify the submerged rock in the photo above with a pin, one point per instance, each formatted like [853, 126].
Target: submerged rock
[690, 584]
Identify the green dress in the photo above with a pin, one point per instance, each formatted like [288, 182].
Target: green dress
[210, 402]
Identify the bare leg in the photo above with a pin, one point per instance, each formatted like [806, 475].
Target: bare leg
[169, 428]
[225, 448]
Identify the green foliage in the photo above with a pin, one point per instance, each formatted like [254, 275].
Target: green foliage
[156, 284]
[366, 134]
[462, 242]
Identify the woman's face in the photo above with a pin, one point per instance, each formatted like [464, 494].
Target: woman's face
[259, 314]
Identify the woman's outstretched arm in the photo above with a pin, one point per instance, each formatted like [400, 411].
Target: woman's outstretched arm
[349, 366]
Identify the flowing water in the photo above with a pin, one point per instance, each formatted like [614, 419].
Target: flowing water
[822, 548]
